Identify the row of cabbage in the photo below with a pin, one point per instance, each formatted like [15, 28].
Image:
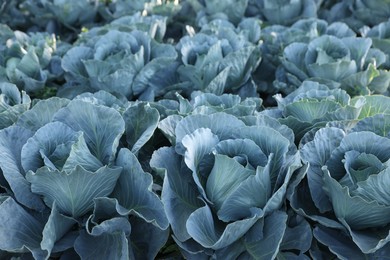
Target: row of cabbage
[97, 177]
[234, 135]
[134, 56]
[67, 17]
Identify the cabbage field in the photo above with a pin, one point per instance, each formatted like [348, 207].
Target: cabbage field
[194, 129]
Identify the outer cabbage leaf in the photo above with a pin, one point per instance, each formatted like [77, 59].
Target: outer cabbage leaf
[296, 224]
[168, 125]
[378, 124]
[221, 124]
[140, 121]
[354, 209]
[134, 191]
[317, 153]
[272, 226]
[68, 189]
[376, 104]
[21, 232]
[104, 98]
[146, 239]
[341, 245]
[56, 230]
[204, 228]
[178, 187]
[41, 113]
[11, 143]
[106, 240]
[102, 136]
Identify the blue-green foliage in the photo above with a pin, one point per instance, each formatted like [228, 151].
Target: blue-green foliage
[277, 37]
[287, 12]
[346, 178]
[359, 13]
[71, 187]
[312, 106]
[121, 61]
[197, 129]
[220, 58]
[349, 63]
[223, 180]
[12, 104]
[28, 60]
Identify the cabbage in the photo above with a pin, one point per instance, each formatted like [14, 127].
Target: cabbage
[288, 11]
[73, 187]
[312, 106]
[220, 58]
[130, 64]
[216, 162]
[12, 104]
[349, 63]
[345, 181]
[28, 60]
[197, 129]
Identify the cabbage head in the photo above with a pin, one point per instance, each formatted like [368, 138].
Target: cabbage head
[369, 12]
[312, 106]
[220, 58]
[224, 180]
[347, 62]
[72, 185]
[286, 12]
[131, 64]
[13, 103]
[60, 17]
[28, 60]
[228, 10]
[380, 36]
[11, 14]
[276, 38]
[345, 187]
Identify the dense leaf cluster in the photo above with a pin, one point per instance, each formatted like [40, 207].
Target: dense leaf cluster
[198, 129]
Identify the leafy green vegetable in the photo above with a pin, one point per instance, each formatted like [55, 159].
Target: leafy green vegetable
[226, 178]
[62, 167]
[347, 175]
[130, 64]
[197, 129]
[336, 62]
